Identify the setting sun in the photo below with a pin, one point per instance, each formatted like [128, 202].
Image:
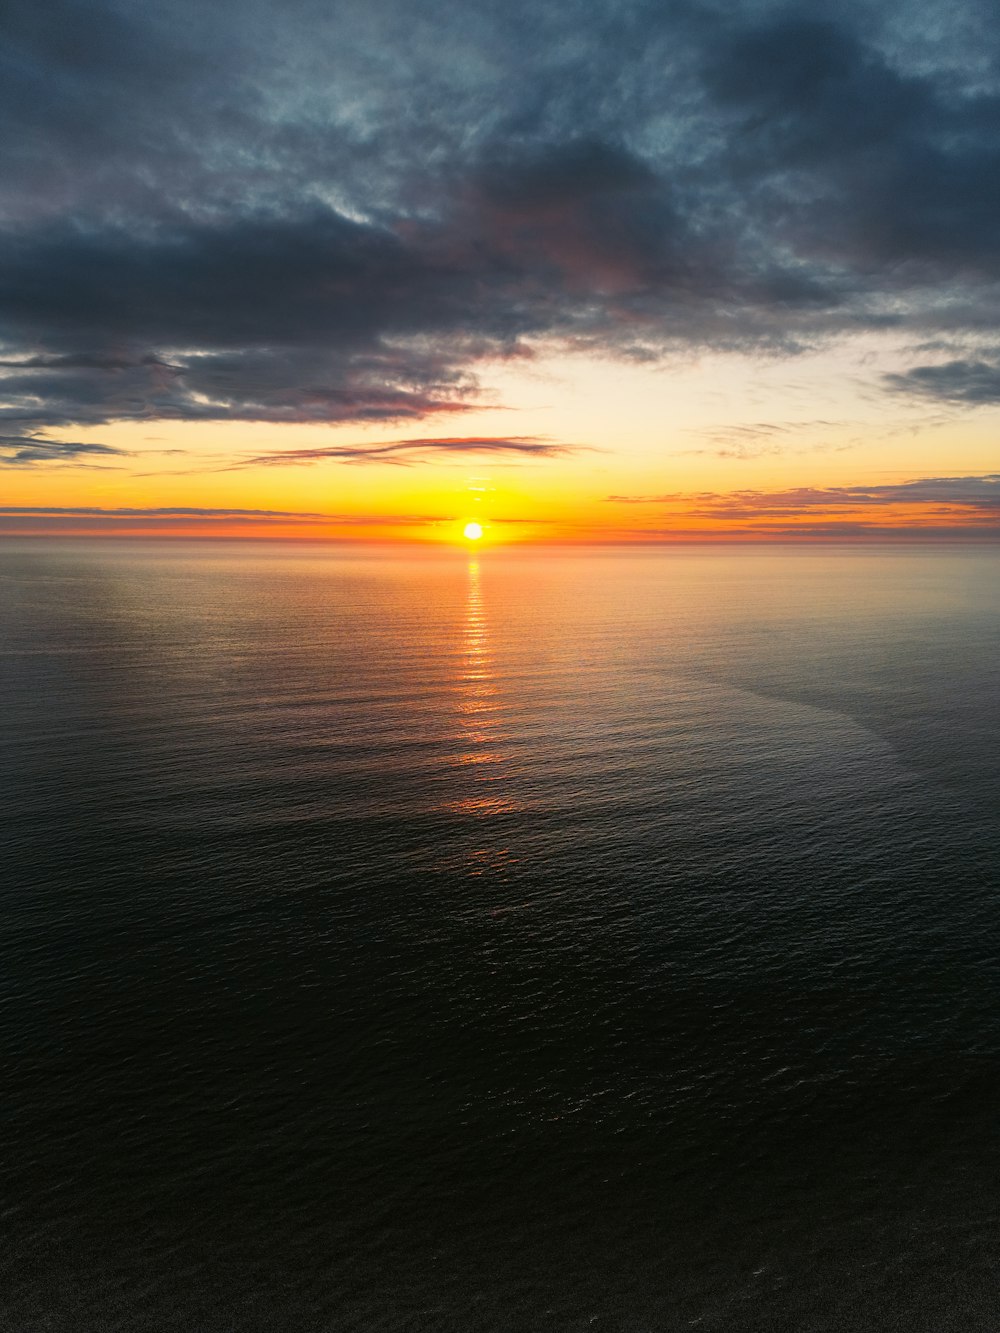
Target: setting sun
[473, 531]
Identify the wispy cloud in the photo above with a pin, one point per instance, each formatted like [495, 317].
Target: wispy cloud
[926, 506]
[24, 450]
[187, 519]
[763, 439]
[404, 453]
[971, 495]
[164, 511]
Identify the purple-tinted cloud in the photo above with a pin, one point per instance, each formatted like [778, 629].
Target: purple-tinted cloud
[23, 450]
[970, 504]
[405, 452]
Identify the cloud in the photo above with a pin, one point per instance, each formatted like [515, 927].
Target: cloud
[983, 489]
[290, 214]
[164, 519]
[926, 506]
[973, 382]
[24, 450]
[404, 452]
[164, 511]
[760, 439]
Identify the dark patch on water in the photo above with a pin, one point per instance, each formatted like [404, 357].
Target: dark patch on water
[573, 943]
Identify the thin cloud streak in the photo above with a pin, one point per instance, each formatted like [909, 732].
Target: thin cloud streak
[95, 519]
[404, 453]
[21, 451]
[931, 506]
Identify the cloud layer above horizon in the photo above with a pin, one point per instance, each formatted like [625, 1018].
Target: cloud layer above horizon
[303, 213]
[932, 507]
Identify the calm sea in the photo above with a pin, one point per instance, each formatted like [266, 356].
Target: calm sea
[553, 941]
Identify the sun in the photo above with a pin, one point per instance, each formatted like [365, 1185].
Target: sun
[472, 531]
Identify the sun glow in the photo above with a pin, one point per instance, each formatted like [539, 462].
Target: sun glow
[472, 531]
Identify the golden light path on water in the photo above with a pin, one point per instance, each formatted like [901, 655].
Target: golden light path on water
[480, 711]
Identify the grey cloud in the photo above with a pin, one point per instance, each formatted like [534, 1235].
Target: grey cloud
[23, 450]
[808, 90]
[293, 214]
[972, 382]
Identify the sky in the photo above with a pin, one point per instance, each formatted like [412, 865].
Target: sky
[580, 271]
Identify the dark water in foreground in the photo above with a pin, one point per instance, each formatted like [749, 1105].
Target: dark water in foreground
[558, 942]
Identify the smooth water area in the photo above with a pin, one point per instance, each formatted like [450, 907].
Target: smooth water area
[560, 941]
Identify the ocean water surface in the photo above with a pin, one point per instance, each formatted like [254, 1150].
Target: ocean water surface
[561, 941]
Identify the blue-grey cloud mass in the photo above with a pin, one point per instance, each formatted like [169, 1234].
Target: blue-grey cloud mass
[298, 212]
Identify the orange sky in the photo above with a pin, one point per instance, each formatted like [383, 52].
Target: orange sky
[689, 449]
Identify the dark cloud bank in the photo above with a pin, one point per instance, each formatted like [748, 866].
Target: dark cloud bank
[299, 212]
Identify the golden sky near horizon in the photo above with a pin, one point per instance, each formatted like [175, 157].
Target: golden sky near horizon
[636, 448]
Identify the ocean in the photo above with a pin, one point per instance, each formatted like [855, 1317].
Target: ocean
[570, 940]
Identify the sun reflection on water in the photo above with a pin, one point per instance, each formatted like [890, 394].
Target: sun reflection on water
[480, 715]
